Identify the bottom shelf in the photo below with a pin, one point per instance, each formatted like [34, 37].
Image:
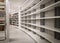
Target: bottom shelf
[2, 27]
[37, 38]
[46, 36]
[2, 35]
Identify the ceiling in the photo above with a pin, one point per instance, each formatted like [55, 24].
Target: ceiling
[15, 4]
[18, 1]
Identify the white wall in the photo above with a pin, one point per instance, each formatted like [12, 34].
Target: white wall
[15, 5]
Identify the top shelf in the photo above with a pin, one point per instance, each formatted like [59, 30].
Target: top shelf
[27, 5]
[50, 7]
[35, 6]
[1, 0]
[2, 5]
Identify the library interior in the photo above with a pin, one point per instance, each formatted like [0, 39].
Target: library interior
[29, 21]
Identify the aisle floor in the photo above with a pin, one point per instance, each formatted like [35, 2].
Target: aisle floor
[18, 36]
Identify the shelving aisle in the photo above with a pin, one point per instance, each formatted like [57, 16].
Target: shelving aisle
[42, 17]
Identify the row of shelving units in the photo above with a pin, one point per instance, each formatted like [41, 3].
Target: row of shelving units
[2, 20]
[43, 18]
[33, 35]
[14, 19]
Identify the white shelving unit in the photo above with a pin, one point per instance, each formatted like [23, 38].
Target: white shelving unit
[43, 18]
[35, 37]
[54, 29]
[46, 36]
[2, 20]
[14, 19]
[50, 7]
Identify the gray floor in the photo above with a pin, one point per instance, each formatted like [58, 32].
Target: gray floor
[18, 36]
